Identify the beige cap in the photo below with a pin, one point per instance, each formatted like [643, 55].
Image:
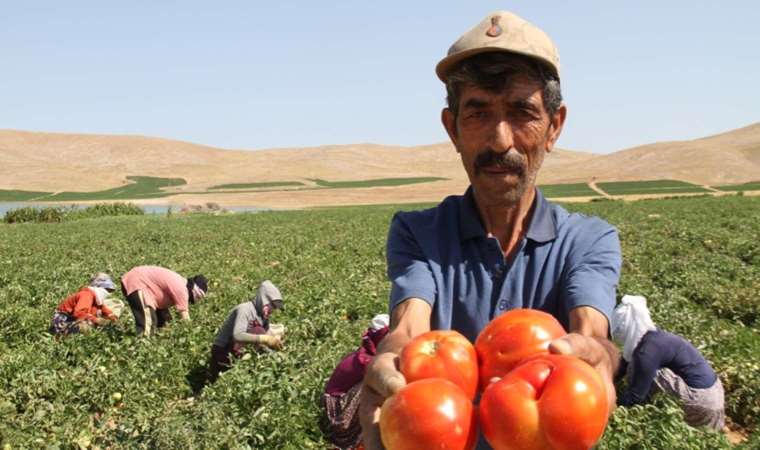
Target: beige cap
[501, 31]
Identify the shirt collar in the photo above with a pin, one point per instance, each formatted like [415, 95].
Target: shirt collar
[469, 218]
[542, 228]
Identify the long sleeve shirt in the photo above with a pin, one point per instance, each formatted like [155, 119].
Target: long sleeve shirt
[242, 320]
[659, 349]
[82, 306]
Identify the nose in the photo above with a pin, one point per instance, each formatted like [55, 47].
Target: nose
[502, 140]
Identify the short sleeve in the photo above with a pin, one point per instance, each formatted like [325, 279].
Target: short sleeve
[179, 293]
[408, 268]
[594, 272]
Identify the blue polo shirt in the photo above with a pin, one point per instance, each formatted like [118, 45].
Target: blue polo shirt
[443, 256]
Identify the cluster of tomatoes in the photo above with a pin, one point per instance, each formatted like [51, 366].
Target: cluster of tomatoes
[529, 399]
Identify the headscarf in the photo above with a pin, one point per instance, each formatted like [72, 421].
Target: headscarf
[197, 287]
[268, 294]
[100, 294]
[380, 321]
[102, 280]
[630, 322]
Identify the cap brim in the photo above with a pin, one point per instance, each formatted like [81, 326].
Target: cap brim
[444, 67]
[277, 304]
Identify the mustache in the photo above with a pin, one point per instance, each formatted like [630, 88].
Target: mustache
[510, 161]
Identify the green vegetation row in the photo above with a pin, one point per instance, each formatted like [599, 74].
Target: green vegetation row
[567, 190]
[751, 186]
[151, 187]
[53, 214]
[266, 184]
[374, 183]
[330, 266]
[650, 187]
[140, 187]
[7, 195]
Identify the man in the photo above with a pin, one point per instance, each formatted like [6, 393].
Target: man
[247, 323]
[152, 290]
[501, 245]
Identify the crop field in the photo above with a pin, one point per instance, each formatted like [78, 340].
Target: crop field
[263, 184]
[7, 195]
[650, 187]
[568, 190]
[375, 182]
[142, 187]
[697, 260]
[751, 186]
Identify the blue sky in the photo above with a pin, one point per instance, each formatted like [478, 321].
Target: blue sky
[247, 74]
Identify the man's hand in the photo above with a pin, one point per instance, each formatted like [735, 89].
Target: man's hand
[588, 341]
[381, 381]
[382, 378]
[591, 350]
[100, 321]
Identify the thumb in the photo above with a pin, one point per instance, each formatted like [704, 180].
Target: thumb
[391, 383]
[561, 346]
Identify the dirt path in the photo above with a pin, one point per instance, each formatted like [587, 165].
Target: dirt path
[595, 188]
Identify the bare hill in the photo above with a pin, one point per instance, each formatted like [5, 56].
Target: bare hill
[83, 162]
[731, 157]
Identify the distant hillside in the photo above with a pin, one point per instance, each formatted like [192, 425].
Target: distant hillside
[731, 157]
[55, 162]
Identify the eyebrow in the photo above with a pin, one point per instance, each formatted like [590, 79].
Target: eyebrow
[475, 103]
[525, 104]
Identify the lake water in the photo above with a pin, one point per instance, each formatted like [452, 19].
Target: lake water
[149, 209]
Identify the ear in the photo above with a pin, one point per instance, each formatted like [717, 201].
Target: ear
[556, 122]
[450, 124]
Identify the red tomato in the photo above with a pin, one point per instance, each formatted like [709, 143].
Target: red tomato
[428, 414]
[550, 402]
[512, 337]
[441, 354]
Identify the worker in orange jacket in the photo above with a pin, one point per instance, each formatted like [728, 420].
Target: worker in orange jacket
[85, 308]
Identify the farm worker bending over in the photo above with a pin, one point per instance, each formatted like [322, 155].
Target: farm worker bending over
[341, 398]
[653, 357]
[152, 290]
[247, 323]
[85, 308]
[501, 245]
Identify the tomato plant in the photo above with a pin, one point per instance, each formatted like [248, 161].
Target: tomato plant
[441, 354]
[429, 413]
[696, 261]
[549, 402]
[512, 337]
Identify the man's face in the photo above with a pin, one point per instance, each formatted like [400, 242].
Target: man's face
[502, 138]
